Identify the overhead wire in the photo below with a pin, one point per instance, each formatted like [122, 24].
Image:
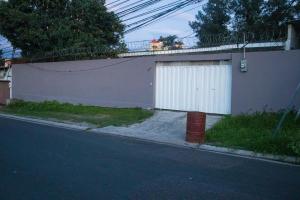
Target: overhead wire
[176, 14]
[113, 2]
[189, 35]
[150, 11]
[136, 8]
[80, 70]
[154, 16]
[126, 6]
[118, 4]
[149, 20]
[151, 16]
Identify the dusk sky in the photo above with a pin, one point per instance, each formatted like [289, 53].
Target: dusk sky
[174, 24]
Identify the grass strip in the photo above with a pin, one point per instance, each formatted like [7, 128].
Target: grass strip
[98, 116]
[254, 132]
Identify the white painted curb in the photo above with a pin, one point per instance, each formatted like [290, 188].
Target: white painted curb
[221, 150]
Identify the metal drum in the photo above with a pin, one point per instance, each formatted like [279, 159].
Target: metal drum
[195, 129]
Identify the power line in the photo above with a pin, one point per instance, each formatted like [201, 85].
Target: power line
[151, 11]
[112, 2]
[80, 70]
[118, 4]
[187, 36]
[136, 8]
[153, 17]
[149, 20]
[126, 6]
[176, 14]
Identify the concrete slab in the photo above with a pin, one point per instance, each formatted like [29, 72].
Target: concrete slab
[164, 126]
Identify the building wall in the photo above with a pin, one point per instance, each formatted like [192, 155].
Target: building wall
[124, 82]
[129, 82]
[270, 82]
[111, 82]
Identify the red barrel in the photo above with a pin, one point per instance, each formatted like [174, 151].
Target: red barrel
[4, 91]
[195, 128]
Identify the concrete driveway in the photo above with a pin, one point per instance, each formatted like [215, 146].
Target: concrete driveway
[163, 126]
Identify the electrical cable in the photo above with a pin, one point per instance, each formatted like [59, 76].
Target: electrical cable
[149, 12]
[112, 2]
[126, 6]
[159, 16]
[176, 14]
[138, 7]
[116, 5]
[153, 17]
[80, 70]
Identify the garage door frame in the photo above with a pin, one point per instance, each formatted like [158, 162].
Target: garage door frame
[228, 81]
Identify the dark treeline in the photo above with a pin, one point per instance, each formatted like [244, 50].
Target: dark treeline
[226, 17]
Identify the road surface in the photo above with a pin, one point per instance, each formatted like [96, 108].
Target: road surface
[39, 162]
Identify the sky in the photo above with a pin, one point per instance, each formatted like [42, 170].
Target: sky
[175, 24]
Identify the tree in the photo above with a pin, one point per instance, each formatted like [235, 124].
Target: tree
[247, 15]
[297, 9]
[259, 16]
[171, 42]
[214, 19]
[278, 12]
[48, 25]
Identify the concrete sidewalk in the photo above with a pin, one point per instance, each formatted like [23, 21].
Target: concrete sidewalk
[164, 126]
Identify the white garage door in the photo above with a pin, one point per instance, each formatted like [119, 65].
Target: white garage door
[193, 86]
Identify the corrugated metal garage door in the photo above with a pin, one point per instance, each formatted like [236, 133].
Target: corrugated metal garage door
[193, 86]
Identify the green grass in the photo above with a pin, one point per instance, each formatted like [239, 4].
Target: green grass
[254, 132]
[98, 116]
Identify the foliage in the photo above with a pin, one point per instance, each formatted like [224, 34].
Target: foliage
[254, 132]
[214, 19]
[297, 9]
[48, 25]
[259, 16]
[231, 17]
[99, 116]
[247, 15]
[278, 12]
[171, 42]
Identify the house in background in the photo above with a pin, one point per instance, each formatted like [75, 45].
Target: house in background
[5, 81]
[5, 70]
[156, 45]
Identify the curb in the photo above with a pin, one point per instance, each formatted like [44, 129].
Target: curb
[252, 154]
[289, 160]
[45, 122]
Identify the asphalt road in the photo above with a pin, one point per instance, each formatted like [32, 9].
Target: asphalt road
[41, 162]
